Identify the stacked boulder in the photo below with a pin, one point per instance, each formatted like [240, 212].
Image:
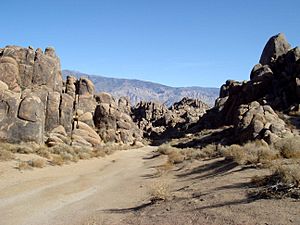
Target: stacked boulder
[153, 118]
[112, 121]
[31, 81]
[159, 122]
[36, 105]
[189, 110]
[251, 106]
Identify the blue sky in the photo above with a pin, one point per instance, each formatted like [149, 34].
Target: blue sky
[174, 42]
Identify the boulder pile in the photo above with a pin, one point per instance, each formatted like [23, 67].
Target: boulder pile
[159, 122]
[37, 106]
[252, 107]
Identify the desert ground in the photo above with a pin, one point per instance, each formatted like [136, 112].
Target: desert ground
[129, 187]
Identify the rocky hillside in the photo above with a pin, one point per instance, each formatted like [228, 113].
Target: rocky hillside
[265, 107]
[138, 90]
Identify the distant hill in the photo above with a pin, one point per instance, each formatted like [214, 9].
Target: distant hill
[138, 90]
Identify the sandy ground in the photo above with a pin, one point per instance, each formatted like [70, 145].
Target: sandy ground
[71, 193]
[114, 190]
[216, 192]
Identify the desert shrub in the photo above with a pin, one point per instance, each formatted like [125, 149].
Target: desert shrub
[283, 182]
[288, 147]
[191, 153]
[288, 174]
[83, 152]
[56, 160]
[22, 149]
[162, 169]
[17, 148]
[165, 149]
[57, 149]
[66, 157]
[175, 157]
[39, 163]
[98, 153]
[43, 151]
[209, 151]
[75, 158]
[159, 191]
[251, 153]
[23, 165]
[5, 155]
[236, 153]
[84, 155]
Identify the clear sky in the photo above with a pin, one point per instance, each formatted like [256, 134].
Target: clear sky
[174, 42]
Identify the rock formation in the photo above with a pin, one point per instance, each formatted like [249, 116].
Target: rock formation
[36, 105]
[159, 122]
[250, 106]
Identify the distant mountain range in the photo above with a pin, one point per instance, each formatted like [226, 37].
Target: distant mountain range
[138, 90]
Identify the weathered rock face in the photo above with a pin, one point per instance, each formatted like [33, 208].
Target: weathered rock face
[21, 119]
[113, 123]
[189, 110]
[249, 106]
[35, 103]
[254, 121]
[152, 118]
[22, 68]
[275, 47]
[158, 122]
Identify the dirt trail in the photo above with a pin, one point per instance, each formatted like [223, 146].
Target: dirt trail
[68, 194]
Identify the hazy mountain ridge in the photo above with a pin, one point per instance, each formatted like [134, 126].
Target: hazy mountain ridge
[138, 90]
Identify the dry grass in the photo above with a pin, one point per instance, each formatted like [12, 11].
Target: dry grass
[23, 165]
[175, 157]
[163, 169]
[59, 154]
[256, 152]
[283, 182]
[178, 155]
[39, 163]
[19, 148]
[209, 151]
[6, 155]
[159, 191]
[43, 151]
[56, 160]
[165, 149]
[288, 147]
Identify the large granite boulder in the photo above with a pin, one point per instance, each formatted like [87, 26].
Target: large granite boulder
[275, 47]
[21, 68]
[255, 121]
[113, 123]
[21, 119]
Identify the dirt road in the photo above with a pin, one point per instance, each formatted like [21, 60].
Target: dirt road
[70, 194]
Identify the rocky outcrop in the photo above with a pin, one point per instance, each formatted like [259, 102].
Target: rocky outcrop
[250, 106]
[189, 110]
[21, 119]
[159, 122]
[275, 47]
[22, 68]
[153, 118]
[36, 105]
[254, 121]
[113, 122]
